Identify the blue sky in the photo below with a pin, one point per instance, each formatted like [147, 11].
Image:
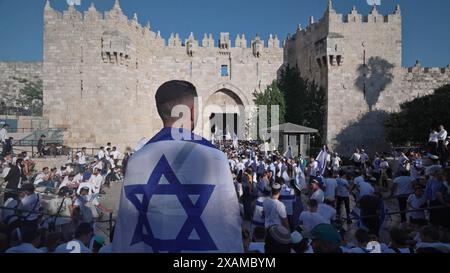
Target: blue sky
[426, 23]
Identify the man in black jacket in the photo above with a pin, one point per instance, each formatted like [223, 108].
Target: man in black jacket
[14, 178]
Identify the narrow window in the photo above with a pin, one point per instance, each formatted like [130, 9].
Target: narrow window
[339, 60]
[224, 71]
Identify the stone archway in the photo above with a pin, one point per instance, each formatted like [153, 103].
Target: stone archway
[224, 114]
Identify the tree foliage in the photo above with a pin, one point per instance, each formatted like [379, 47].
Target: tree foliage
[415, 118]
[271, 96]
[31, 95]
[305, 101]
[301, 102]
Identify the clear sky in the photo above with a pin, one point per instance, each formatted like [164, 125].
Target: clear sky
[426, 23]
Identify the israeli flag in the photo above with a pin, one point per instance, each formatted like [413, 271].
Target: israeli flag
[322, 160]
[178, 197]
[300, 180]
[288, 154]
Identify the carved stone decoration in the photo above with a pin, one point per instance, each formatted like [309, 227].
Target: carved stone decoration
[257, 46]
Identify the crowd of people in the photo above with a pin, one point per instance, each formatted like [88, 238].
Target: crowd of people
[322, 204]
[57, 209]
[294, 205]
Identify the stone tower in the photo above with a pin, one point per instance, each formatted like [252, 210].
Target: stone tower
[358, 60]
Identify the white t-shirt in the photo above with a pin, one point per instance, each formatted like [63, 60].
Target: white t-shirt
[86, 185]
[404, 185]
[74, 246]
[96, 181]
[81, 158]
[105, 249]
[327, 212]
[10, 203]
[314, 167]
[330, 188]
[415, 203]
[356, 157]
[3, 135]
[311, 220]
[433, 137]
[335, 163]
[274, 211]
[318, 195]
[442, 135]
[365, 189]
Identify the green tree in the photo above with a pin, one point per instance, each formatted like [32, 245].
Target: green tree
[31, 95]
[271, 96]
[411, 125]
[305, 101]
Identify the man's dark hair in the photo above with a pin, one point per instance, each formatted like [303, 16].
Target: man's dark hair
[42, 136]
[362, 236]
[83, 229]
[399, 236]
[28, 234]
[19, 161]
[171, 94]
[312, 203]
[5, 125]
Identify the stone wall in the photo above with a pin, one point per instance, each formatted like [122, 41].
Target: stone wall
[10, 75]
[101, 72]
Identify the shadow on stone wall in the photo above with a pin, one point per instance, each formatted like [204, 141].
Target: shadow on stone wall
[373, 79]
[367, 132]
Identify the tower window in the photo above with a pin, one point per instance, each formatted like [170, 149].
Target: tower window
[339, 60]
[224, 71]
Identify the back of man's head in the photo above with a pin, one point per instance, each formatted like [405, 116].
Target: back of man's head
[173, 93]
[312, 204]
[362, 236]
[83, 229]
[28, 234]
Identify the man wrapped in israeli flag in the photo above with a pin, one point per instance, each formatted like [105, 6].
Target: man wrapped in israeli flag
[178, 193]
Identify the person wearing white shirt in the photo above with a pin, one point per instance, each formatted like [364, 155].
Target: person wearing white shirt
[402, 188]
[311, 218]
[83, 235]
[115, 154]
[30, 239]
[313, 167]
[442, 148]
[364, 188]
[342, 195]
[101, 153]
[274, 210]
[30, 203]
[327, 212]
[417, 200]
[82, 157]
[433, 142]
[356, 158]
[330, 185]
[317, 194]
[336, 162]
[363, 158]
[4, 133]
[96, 180]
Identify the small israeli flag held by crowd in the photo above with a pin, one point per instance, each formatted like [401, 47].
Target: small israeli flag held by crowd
[322, 160]
[178, 197]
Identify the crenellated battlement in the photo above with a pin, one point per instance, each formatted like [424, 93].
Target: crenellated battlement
[419, 69]
[115, 17]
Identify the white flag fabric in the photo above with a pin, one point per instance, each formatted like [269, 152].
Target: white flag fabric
[178, 197]
[288, 153]
[322, 160]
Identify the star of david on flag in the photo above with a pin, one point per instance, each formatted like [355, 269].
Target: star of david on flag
[143, 231]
